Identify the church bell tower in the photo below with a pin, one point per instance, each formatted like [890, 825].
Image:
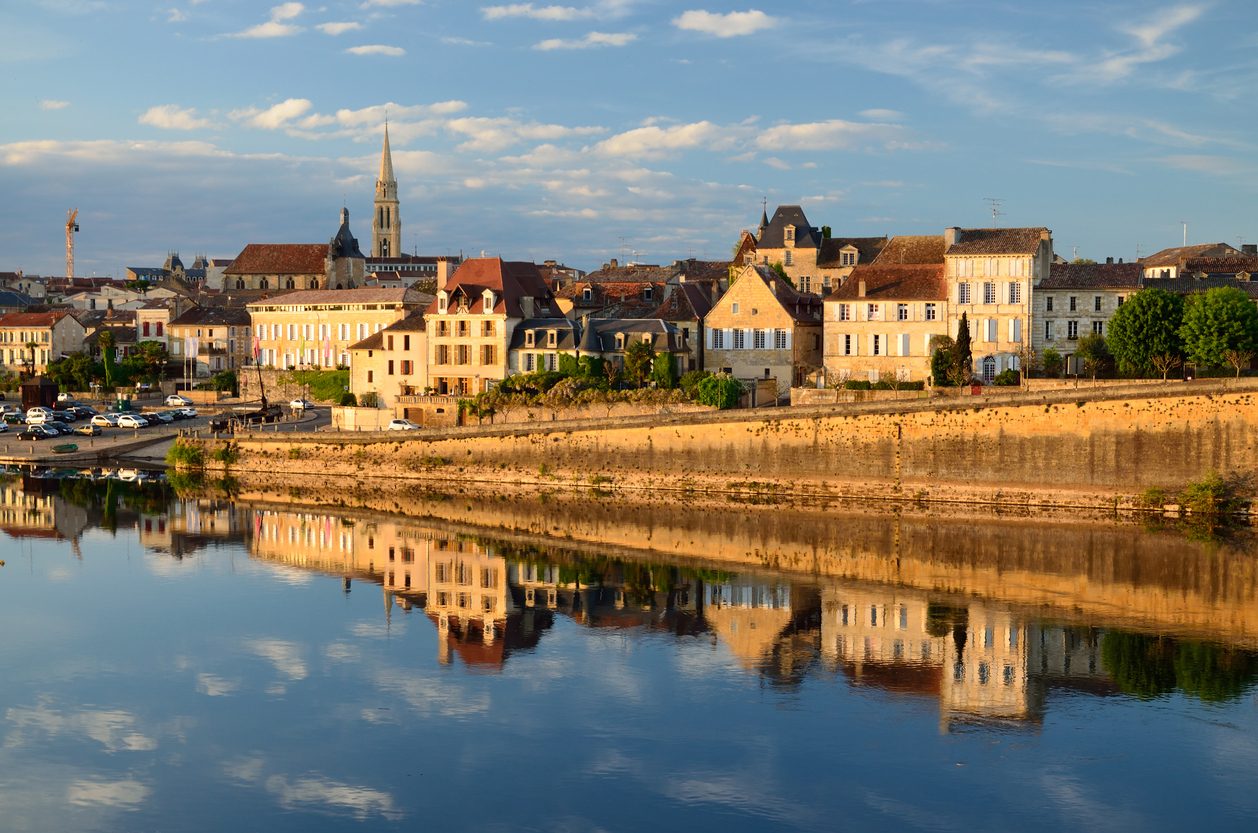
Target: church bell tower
[386, 226]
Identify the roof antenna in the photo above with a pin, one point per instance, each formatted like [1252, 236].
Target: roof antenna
[1185, 225]
[994, 203]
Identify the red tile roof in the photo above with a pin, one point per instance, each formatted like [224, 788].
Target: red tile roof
[509, 280]
[32, 319]
[998, 241]
[365, 295]
[280, 259]
[1172, 257]
[923, 282]
[907, 250]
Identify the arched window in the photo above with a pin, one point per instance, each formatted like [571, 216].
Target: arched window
[288, 283]
[264, 284]
[240, 283]
[388, 217]
[314, 284]
[989, 368]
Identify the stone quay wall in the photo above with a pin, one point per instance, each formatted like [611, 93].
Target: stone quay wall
[1098, 447]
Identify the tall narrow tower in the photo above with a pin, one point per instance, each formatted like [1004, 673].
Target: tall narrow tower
[386, 226]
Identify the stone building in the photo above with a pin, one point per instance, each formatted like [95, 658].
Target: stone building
[1168, 263]
[392, 362]
[315, 328]
[790, 240]
[471, 323]
[386, 224]
[991, 275]
[610, 339]
[222, 336]
[1080, 298]
[54, 334]
[762, 328]
[879, 323]
[537, 344]
[839, 256]
[337, 264]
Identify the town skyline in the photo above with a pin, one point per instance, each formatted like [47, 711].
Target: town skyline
[586, 133]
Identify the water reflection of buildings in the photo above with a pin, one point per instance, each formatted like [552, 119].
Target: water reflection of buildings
[978, 660]
[187, 527]
[30, 508]
[488, 600]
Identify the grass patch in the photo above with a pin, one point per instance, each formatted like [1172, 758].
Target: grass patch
[187, 455]
[324, 385]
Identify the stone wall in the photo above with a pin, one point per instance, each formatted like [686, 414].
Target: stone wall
[1057, 449]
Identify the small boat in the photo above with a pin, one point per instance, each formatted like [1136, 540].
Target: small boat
[65, 448]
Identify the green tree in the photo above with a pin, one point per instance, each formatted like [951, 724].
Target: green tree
[720, 391]
[1093, 352]
[1052, 362]
[569, 366]
[1082, 260]
[1145, 326]
[639, 356]
[1219, 320]
[963, 359]
[690, 382]
[664, 371]
[107, 343]
[781, 270]
[942, 360]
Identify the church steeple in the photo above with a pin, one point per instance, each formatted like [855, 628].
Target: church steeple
[386, 226]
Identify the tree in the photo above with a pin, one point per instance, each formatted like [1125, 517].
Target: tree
[1082, 260]
[1146, 325]
[942, 359]
[107, 342]
[569, 366]
[1092, 351]
[639, 357]
[964, 360]
[1219, 320]
[1028, 362]
[611, 373]
[721, 391]
[781, 270]
[1239, 359]
[1166, 362]
[664, 371]
[1052, 362]
[690, 382]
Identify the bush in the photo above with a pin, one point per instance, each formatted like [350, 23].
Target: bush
[1209, 496]
[721, 391]
[690, 382]
[186, 455]
[229, 454]
[369, 400]
[882, 384]
[325, 385]
[349, 400]
[857, 384]
[1008, 379]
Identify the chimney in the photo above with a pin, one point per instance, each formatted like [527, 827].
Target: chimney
[1120, 260]
[773, 286]
[1109, 260]
[860, 288]
[951, 237]
[443, 272]
[613, 263]
[1250, 249]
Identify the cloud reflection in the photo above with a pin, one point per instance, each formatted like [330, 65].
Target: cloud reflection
[285, 656]
[115, 730]
[125, 794]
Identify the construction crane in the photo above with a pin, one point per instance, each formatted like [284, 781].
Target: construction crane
[71, 227]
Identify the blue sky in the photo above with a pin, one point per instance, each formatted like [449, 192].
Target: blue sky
[539, 131]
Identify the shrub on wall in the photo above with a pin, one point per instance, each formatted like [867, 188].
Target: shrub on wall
[721, 391]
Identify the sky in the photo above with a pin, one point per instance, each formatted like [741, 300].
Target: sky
[641, 129]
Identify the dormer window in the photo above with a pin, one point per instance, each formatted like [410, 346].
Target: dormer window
[552, 338]
[790, 234]
[587, 294]
[529, 339]
[488, 301]
[647, 292]
[620, 341]
[443, 302]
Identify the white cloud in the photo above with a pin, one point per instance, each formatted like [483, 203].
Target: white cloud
[1149, 36]
[835, 134]
[322, 794]
[725, 25]
[657, 141]
[115, 730]
[49, 104]
[276, 27]
[774, 162]
[466, 42]
[215, 686]
[173, 117]
[273, 117]
[882, 115]
[175, 16]
[592, 39]
[338, 28]
[376, 49]
[537, 13]
[493, 134]
[391, 3]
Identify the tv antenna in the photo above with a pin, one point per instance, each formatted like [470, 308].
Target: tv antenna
[1185, 225]
[994, 203]
[622, 249]
[1139, 254]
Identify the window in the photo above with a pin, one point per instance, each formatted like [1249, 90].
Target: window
[161, 327]
[1096, 304]
[529, 338]
[1098, 328]
[740, 342]
[1072, 303]
[1072, 329]
[552, 361]
[647, 292]
[389, 343]
[489, 354]
[902, 312]
[790, 232]
[779, 339]
[1048, 304]
[991, 330]
[443, 354]
[441, 303]
[989, 368]
[1015, 293]
[963, 293]
[461, 329]
[845, 312]
[930, 312]
[371, 376]
[847, 259]
[529, 359]
[847, 345]
[406, 342]
[734, 308]
[146, 328]
[462, 354]
[786, 258]
[718, 339]
[587, 294]
[871, 312]
[1048, 330]
[877, 345]
[989, 293]
[488, 330]
[408, 368]
[805, 283]
[390, 367]
[552, 338]
[757, 339]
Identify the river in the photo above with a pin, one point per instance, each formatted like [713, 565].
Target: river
[201, 663]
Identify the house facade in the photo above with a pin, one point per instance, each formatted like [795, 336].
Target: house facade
[879, 323]
[537, 344]
[316, 328]
[222, 336]
[1078, 299]
[762, 328]
[839, 256]
[392, 362]
[991, 275]
[471, 323]
[790, 240]
[53, 334]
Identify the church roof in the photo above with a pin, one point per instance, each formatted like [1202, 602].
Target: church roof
[344, 244]
[386, 160]
[280, 259]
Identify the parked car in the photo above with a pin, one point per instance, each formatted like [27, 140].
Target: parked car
[188, 413]
[105, 420]
[84, 411]
[65, 416]
[66, 398]
[3, 428]
[58, 426]
[155, 417]
[37, 432]
[176, 400]
[403, 425]
[37, 411]
[301, 404]
[88, 430]
[132, 421]
[14, 419]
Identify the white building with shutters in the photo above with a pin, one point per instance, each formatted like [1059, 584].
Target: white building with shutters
[991, 276]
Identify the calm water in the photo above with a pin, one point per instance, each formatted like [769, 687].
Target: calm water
[174, 665]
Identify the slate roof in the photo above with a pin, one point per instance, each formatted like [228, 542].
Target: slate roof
[919, 282]
[1092, 276]
[375, 341]
[91, 318]
[604, 331]
[122, 335]
[213, 317]
[688, 303]
[867, 248]
[1172, 257]
[1189, 285]
[344, 243]
[566, 338]
[997, 241]
[773, 236]
[911, 249]
[364, 295]
[509, 280]
[280, 259]
[412, 323]
[14, 299]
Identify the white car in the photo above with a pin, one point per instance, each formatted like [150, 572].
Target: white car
[301, 404]
[46, 413]
[189, 413]
[403, 425]
[132, 421]
[65, 397]
[177, 401]
[105, 420]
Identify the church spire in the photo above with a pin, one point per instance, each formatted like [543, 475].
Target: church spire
[386, 161]
[386, 226]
